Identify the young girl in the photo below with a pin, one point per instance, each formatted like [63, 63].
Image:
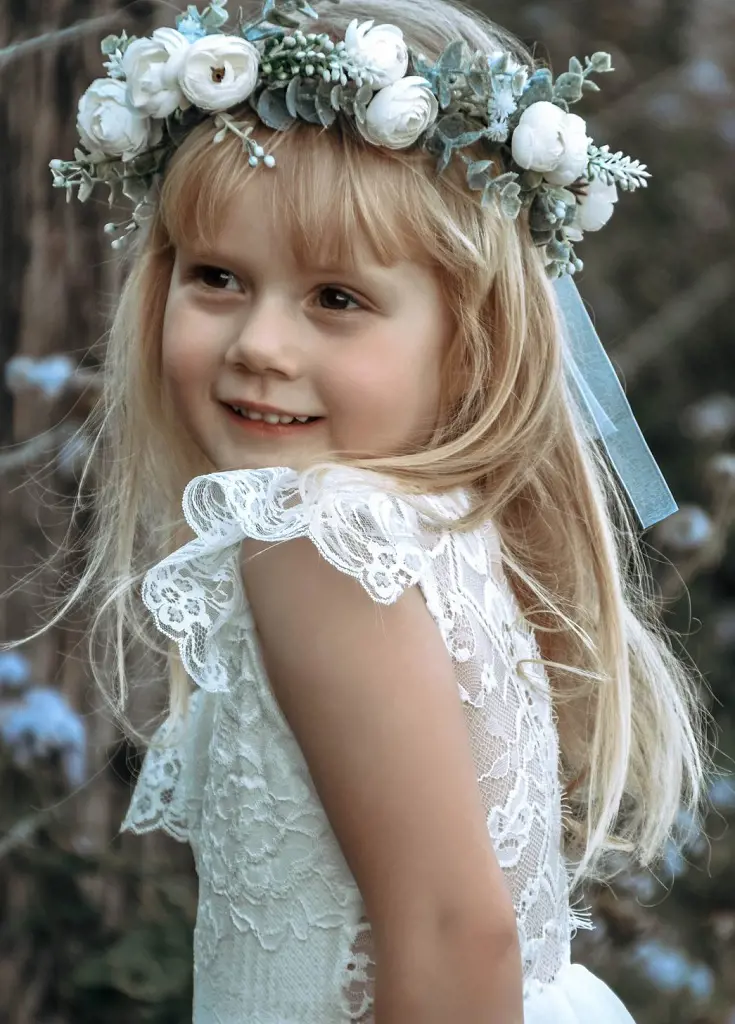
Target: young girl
[406, 596]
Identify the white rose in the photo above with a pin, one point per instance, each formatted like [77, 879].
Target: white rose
[107, 123]
[398, 114]
[151, 69]
[380, 49]
[550, 141]
[594, 209]
[219, 71]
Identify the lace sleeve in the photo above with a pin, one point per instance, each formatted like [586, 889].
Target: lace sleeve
[380, 538]
[361, 528]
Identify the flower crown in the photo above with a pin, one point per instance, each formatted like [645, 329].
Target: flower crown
[465, 105]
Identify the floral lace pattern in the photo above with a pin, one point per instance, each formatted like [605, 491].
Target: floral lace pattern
[281, 931]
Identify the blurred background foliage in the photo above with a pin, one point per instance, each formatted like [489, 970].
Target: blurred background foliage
[95, 927]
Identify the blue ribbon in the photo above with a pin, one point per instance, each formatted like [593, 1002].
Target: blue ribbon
[606, 412]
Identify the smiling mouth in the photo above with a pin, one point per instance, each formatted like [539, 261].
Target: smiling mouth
[270, 423]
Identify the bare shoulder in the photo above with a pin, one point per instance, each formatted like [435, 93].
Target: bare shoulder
[370, 693]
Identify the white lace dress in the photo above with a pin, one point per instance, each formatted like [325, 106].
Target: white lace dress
[281, 934]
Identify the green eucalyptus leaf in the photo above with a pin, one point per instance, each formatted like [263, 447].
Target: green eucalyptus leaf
[569, 87]
[445, 93]
[273, 111]
[532, 179]
[364, 94]
[469, 138]
[505, 179]
[135, 189]
[601, 62]
[477, 81]
[335, 97]
[477, 174]
[325, 111]
[452, 59]
[590, 86]
[291, 95]
[511, 206]
[110, 45]
[214, 18]
[575, 66]
[444, 159]
[540, 88]
[452, 126]
[257, 33]
[306, 102]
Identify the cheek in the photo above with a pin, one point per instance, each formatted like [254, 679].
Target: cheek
[184, 349]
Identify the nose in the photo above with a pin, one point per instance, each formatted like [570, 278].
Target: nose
[266, 340]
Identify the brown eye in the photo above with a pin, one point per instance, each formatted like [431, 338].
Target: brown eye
[336, 300]
[215, 278]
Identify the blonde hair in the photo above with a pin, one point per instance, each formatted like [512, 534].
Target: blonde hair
[630, 721]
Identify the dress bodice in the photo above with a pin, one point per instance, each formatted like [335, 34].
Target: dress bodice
[281, 934]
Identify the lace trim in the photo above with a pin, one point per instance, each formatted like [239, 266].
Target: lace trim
[159, 798]
[195, 595]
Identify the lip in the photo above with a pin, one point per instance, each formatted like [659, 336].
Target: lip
[260, 407]
[263, 429]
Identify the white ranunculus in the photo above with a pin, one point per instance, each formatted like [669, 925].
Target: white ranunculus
[151, 69]
[574, 162]
[108, 124]
[596, 208]
[380, 49]
[399, 113]
[552, 142]
[219, 71]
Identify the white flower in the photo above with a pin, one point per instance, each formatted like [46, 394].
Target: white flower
[219, 71]
[108, 124]
[398, 114]
[379, 49]
[550, 141]
[151, 68]
[597, 207]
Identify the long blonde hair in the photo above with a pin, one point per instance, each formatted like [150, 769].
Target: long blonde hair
[630, 721]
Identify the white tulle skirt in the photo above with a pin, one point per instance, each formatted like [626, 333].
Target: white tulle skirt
[576, 996]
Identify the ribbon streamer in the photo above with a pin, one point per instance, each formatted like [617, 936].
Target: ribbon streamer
[607, 413]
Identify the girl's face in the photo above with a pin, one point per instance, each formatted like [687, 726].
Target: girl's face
[357, 351]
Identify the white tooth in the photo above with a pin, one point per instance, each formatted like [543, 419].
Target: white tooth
[254, 415]
[285, 419]
[302, 419]
[270, 417]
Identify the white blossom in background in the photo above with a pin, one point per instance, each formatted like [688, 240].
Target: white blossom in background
[722, 793]
[711, 419]
[41, 724]
[686, 530]
[15, 671]
[72, 456]
[672, 971]
[50, 375]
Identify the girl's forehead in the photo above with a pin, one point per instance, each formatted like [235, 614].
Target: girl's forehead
[321, 201]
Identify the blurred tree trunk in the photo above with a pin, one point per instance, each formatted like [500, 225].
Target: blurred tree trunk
[59, 284]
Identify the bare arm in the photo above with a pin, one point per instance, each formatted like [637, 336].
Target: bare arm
[370, 694]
